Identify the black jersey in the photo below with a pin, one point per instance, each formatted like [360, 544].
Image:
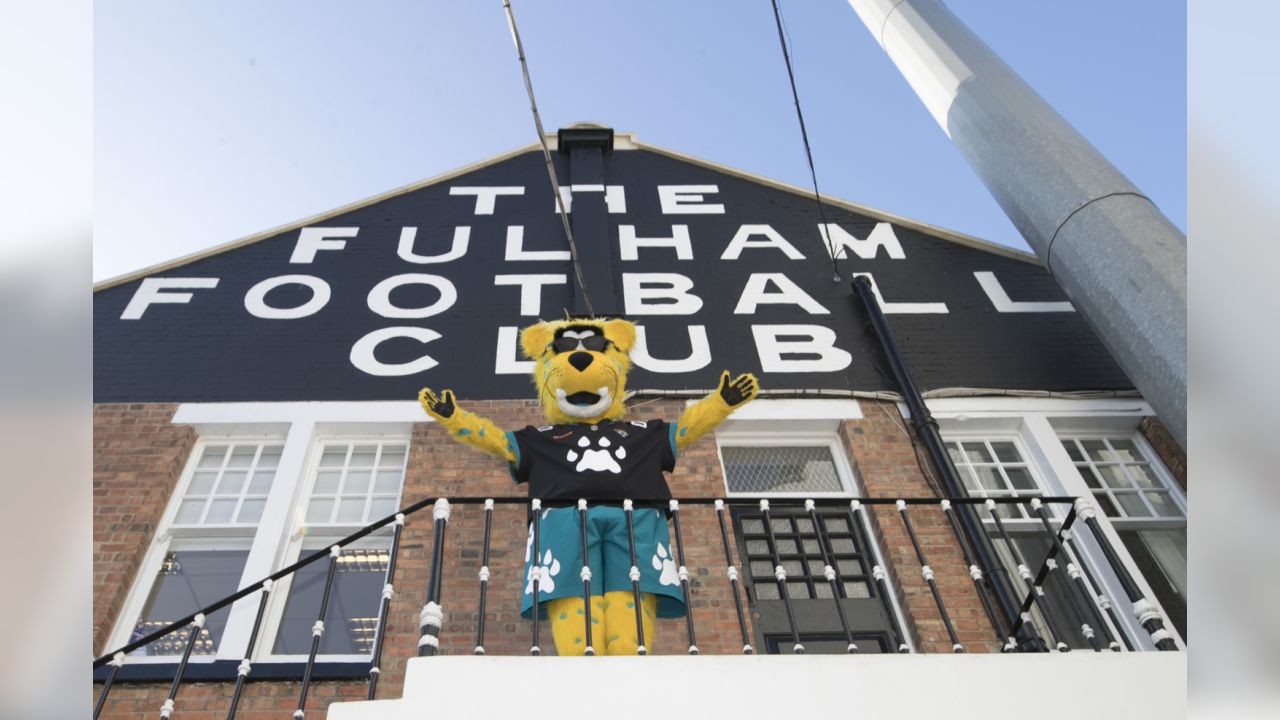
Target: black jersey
[610, 460]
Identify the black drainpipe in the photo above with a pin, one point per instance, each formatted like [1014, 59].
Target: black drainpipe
[927, 430]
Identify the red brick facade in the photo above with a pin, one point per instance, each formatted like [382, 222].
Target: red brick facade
[1171, 454]
[140, 455]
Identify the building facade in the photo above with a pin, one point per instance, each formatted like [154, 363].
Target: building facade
[255, 405]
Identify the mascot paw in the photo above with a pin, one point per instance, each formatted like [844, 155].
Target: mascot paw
[739, 390]
[440, 408]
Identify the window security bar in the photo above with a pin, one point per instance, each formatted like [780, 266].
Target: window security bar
[1087, 605]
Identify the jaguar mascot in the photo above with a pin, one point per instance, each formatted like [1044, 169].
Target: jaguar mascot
[589, 450]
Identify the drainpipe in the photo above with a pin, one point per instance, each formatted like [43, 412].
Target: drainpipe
[927, 430]
[1116, 256]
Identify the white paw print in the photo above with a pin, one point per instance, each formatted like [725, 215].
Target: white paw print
[662, 562]
[545, 572]
[597, 458]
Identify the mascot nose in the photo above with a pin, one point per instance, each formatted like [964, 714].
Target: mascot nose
[581, 360]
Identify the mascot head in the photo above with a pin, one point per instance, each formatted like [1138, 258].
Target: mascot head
[580, 367]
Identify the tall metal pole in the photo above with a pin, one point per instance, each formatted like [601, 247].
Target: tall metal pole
[1118, 258]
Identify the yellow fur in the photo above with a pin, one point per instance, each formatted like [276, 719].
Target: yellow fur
[469, 428]
[703, 416]
[553, 372]
[613, 623]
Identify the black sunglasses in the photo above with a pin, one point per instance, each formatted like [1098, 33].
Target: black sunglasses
[595, 343]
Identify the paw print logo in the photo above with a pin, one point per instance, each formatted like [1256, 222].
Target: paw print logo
[600, 457]
[663, 564]
[545, 571]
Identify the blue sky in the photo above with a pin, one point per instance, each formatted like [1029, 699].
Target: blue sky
[218, 120]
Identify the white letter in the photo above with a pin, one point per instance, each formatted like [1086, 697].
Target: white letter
[882, 235]
[486, 197]
[505, 363]
[629, 243]
[530, 289]
[311, 239]
[772, 239]
[380, 296]
[699, 353]
[362, 352]
[615, 198]
[636, 295]
[756, 293]
[819, 341]
[461, 236]
[255, 301]
[149, 291]
[516, 251]
[687, 200]
[903, 308]
[1000, 299]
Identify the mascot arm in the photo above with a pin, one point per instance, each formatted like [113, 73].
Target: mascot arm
[466, 427]
[703, 416]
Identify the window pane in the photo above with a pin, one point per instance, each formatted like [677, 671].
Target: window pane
[856, 590]
[327, 482]
[989, 478]
[1096, 449]
[1006, 452]
[1143, 475]
[1132, 504]
[780, 469]
[954, 451]
[381, 507]
[334, 456]
[220, 511]
[319, 510]
[1072, 450]
[1124, 450]
[201, 483]
[351, 509]
[351, 616]
[970, 483]
[212, 458]
[188, 580]
[232, 483]
[251, 511]
[387, 481]
[242, 456]
[1163, 504]
[1104, 503]
[977, 452]
[1161, 556]
[760, 568]
[849, 567]
[270, 457]
[392, 456]
[1090, 477]
[189, 512]
[843, 546]
[787, 547]
[362, 456]
[757, 547]
[1114, 476]
[766, 591]
[753, 526]
[1021, 478]
[261, 482]
[357, 482]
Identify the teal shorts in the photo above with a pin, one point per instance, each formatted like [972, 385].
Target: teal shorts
[560, 565]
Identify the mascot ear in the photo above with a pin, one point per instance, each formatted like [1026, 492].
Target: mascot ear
[622, 333]
[534, 339]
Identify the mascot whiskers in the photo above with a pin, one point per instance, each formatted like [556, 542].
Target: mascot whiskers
[589, 451]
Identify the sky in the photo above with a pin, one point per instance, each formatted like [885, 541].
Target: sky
[214, 121]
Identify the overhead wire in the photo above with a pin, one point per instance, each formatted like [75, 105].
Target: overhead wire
[804, 136]
[546, 154]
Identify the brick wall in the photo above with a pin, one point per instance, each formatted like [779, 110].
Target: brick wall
[1171, 454]
[140, 455]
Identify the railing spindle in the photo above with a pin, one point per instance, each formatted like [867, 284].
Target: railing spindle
[1033, 588]
[927, 572]
[484, 576]
[858, 523]
[117, 661]
[242, 671]
[780, 575]
[317, 632]
[1146, 613]
[535, 570]
[1100, 600]
[683, 571]
[975, 572]
[431, 619]
[634, 573]
[829, 571]
[387, 590]
[1075, 585]
[196, 626]
[732, 573]
[585, 574]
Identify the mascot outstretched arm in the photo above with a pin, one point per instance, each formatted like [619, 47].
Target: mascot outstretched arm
[589, 451]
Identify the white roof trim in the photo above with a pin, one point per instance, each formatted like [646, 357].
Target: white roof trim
[622, 141]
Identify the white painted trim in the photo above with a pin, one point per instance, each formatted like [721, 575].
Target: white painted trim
[389, 411]
[765, 409]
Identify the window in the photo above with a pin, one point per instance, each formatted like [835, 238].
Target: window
[756, 469]
[994, 468]
[1139, 499]
[209, 534]
[353, 484]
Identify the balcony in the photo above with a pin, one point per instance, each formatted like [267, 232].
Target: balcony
[827, 584]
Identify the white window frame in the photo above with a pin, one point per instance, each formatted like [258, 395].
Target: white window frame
[807, 423]
[1040, 423]
[300, 427]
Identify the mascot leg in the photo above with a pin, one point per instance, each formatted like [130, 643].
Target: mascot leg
[620, 621]
[568, 623]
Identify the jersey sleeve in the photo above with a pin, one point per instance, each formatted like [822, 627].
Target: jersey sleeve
[519, 447]
[668, 431]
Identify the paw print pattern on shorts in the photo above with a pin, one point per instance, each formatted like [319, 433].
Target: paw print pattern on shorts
[600, 458]
[662, 563]
[546, 570]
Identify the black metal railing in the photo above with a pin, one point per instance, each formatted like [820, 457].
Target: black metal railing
[1086, 606]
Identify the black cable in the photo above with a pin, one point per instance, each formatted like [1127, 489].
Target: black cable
[804, 135]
